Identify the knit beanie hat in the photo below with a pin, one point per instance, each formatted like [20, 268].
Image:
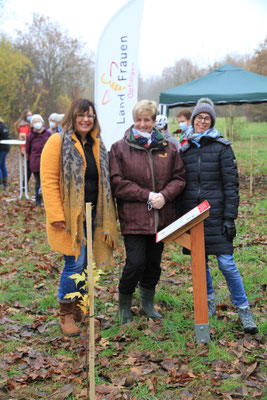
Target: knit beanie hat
[36, 116]
[204, 105]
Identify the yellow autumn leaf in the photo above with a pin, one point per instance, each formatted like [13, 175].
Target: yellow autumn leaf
[73, 295]
[84, 303]
[96, 275]
[84, 287]
[78, 278]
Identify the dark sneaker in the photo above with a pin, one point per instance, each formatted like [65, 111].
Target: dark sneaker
[247, 320]
[211, 308]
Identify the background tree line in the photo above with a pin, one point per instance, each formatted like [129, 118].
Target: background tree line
[44, 69]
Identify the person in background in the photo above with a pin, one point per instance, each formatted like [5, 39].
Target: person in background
[74, 171]
[54, 122]
[162, 125]
[22, 129]
[146, 175]
[4, 149]
[211, 174]
[35, 142]
[183, 119]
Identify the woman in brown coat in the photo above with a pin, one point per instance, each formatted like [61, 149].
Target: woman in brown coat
[146, 174]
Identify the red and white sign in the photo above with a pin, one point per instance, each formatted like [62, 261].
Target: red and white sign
[195, 212]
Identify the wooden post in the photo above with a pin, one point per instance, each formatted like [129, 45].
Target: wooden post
[199, 282]
[251, 168]
[90, 280]
[194, 241]
[232, 131]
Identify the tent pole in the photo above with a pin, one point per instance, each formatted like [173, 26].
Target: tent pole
[163, 109]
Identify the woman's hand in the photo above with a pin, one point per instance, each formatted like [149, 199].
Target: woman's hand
[58, 225]
[157, 200]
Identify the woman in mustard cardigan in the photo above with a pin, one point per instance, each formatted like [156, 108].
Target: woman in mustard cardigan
[74, 171]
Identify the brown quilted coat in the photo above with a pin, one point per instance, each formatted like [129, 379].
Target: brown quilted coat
[135, 172]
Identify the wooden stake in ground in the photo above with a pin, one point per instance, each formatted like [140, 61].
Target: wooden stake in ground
[232, 131]
[251, 168]
[90, 281]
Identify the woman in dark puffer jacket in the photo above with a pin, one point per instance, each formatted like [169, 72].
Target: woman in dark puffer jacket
[211, 174]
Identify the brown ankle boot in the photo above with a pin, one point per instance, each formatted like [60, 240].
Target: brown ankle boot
[77, 312]
[66, 320]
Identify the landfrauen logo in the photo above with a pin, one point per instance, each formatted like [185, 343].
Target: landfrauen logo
[112, 84]
[119, 82]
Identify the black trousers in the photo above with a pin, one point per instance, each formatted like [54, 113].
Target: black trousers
[143, 258]
[38, 197]
[28, 173]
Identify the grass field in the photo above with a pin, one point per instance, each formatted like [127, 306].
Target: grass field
[145, 359]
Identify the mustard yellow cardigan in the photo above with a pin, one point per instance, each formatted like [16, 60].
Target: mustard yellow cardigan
[51, 174]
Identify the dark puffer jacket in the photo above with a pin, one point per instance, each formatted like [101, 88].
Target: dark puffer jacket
[135, 172]
[4, 136]
[211, 174]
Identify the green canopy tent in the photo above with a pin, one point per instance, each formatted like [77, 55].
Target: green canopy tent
[225, 85]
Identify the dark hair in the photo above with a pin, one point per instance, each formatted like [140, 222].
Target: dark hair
[76, 107]
[184, 113]
[23, 117]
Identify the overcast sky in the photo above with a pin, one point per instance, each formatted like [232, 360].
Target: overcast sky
[203, 31]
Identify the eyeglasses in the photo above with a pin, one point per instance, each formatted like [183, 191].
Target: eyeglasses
[83, 116]
[200, 118]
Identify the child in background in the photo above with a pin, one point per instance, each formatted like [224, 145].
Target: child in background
[22, 128]
[183, 118]
[162, 124]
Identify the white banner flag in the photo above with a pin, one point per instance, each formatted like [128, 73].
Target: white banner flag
[116, 71]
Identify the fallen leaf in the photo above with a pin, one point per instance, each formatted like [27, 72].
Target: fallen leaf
[62, 393]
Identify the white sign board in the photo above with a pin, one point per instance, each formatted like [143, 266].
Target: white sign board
[195, 212]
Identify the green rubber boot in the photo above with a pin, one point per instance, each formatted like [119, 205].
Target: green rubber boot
[147, 303]
[125, 302]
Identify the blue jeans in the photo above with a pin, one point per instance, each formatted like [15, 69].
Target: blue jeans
[233, 279]
[3, 169]
[67, 285]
